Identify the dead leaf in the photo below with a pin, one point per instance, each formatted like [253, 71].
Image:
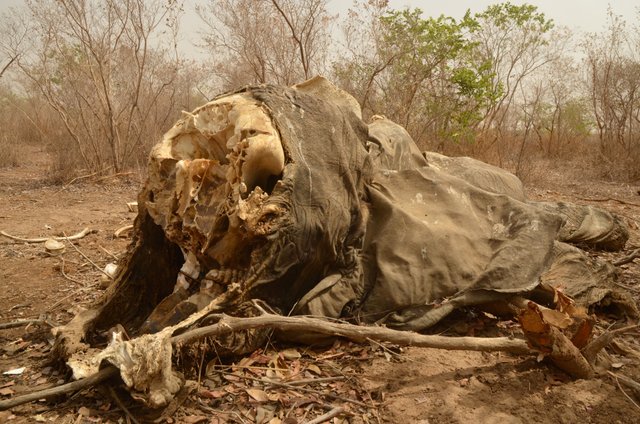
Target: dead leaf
[7, 384]
[290, 354]
[584, 332]
[617, 365]
[556, 318]
[314, 369]
[264, 414]
[231, 377]
[274, 397]
[6, 392]
[258, 395]
[213, 394]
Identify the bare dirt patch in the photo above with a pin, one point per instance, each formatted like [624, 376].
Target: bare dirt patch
[394, 385]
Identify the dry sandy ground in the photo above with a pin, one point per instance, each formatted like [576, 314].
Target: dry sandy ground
[397, 385]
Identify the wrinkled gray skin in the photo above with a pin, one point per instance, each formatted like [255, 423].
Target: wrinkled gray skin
[359, 224]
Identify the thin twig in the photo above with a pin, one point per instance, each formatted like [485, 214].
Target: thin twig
[106, 177]
[89, 259]
[64, 274]
[23, 322]
[591, 350]
[326, 417]
[607, 199]
[108, 252]
[19, 305]
[304, 389]
[73, 293]
[629, 258]
[315, 380]
[120, 404]
[617, 378]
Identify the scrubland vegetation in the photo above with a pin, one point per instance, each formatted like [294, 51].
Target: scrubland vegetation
[98, 81]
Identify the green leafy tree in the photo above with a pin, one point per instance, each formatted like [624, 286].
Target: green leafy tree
[423, 73]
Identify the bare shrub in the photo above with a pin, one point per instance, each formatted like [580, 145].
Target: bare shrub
[8, 152]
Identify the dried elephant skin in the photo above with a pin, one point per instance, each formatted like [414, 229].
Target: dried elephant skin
[285, 195]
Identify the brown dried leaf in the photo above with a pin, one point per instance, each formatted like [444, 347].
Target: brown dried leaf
[583, 334]
[556, 318]
[535, 328]
[230, 377]
[258, 395]
[6, 392]
[213, 394]
[314, 369]
[290, 354]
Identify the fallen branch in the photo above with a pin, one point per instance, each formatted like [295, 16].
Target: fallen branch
[228, 324]
[607, 199]
[77, 236]
[22, 322]
[358, 333]
[591, 350]
[628, 259]
[99, 377]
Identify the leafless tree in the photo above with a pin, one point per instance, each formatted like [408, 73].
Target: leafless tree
[258, 41]
[101, 67]
[13, 33]
[612, 81]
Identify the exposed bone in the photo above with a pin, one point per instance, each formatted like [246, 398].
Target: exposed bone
[54, 246]
[77, 236]
[120, 232]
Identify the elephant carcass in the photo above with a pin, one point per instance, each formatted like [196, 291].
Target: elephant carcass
[286, 196]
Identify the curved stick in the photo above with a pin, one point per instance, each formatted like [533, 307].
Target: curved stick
[90, 381]
[628, 259]
[120, 231]
[358, 333]
[43, 239]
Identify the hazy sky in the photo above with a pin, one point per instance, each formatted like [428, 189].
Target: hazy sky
[584, 15]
